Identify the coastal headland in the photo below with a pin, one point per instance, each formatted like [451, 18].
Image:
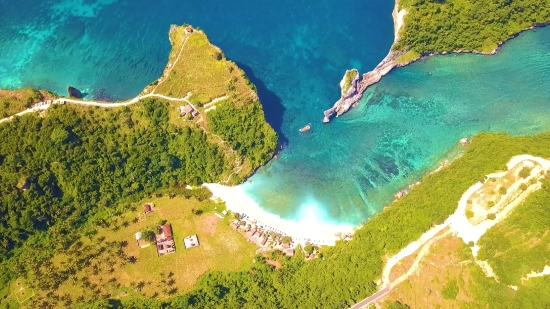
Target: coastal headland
[207, 96]
[406, 49]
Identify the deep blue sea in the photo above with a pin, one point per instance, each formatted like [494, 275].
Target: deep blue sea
[296, 53]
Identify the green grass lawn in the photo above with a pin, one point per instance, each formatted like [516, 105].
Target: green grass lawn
[102, 266]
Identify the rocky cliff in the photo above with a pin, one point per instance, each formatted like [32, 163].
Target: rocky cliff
[358, 85]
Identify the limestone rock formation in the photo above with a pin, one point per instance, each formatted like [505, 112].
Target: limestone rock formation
[358, 86]
[74, 93]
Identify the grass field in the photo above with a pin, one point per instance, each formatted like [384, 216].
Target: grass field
[203, 70]
[19, 295]
[100, 264]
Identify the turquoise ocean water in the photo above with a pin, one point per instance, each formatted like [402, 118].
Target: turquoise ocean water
[296, 53]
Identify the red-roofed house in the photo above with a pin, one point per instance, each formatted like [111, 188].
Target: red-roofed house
[165, 240]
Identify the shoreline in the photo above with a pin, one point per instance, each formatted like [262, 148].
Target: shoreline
[390, 62]
[352, 97]
[309, 230]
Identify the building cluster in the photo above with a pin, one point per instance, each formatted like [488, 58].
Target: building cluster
[264, 236]
[47, 102]
[164, 239]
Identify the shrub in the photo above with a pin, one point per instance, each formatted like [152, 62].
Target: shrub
[525, 172]
[523, 186]
[148, 234]
[502, 190]
[491, 216]
[450, 290]
[469, 213]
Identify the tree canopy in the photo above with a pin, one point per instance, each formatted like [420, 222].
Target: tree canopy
[347, 272]
[468, 25]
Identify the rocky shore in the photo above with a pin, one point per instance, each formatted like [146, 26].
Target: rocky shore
[351, 98]
[358, 85]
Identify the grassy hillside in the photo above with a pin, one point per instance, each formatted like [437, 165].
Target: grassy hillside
[15, 101]
[226, 100]
[467, 25]
[450, 278]
[197, 66]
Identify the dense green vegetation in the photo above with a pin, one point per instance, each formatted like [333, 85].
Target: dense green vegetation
[245, 130]
[451, 25]
[487, 293]
[76, 163]
[348, 272]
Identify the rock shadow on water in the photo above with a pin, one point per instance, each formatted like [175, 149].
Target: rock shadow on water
[387, 165]
[272, 104]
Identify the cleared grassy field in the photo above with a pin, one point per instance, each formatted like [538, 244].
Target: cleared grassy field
[202, 69]
[102, 264]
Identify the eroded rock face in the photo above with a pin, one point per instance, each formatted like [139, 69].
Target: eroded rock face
[74, 93]
[349, 94]
[358, 86]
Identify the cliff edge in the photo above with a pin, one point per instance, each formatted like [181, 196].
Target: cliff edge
[350, 97]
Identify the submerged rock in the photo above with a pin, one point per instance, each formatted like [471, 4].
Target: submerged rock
[74, 93]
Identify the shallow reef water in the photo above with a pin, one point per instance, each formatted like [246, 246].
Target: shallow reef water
[296, 53]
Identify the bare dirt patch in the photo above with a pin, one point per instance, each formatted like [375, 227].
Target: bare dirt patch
[208, 224]
[273, 263]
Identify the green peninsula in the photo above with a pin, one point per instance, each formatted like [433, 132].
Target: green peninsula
[466, 25]
[429, 27]
[78, 165]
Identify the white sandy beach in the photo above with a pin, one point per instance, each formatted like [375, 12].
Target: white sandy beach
[398, 17]
[307, 229]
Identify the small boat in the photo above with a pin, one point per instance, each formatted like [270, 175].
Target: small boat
[306, 128]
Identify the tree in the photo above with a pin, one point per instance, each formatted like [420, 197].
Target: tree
[450, 290]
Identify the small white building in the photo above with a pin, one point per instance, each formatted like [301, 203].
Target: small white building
[191, 241]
